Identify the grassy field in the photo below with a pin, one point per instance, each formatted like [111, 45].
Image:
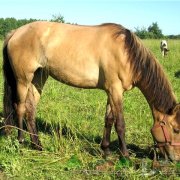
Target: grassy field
[80, 113]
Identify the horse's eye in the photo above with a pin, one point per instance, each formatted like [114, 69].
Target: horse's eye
[162, 123]
[177, 131]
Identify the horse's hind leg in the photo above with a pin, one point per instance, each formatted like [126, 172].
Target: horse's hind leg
[109, 120]
[31, 103]
[22, 91]
[34, 93]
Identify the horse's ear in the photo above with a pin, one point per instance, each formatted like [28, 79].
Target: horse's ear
[176, 108]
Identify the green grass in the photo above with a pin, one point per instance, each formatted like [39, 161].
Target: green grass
[80, 113]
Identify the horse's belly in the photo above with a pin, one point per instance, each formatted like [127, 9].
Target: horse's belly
[83, 78]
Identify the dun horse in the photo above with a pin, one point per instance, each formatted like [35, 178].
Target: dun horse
[107, 57]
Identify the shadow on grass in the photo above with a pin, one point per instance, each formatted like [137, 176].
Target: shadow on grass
[55, 129]
[134, 149]
[45, 127]
[66, 132]
[177, 74]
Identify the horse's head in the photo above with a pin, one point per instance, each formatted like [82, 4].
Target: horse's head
[166, 133]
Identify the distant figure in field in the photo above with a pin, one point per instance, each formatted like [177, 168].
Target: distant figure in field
[164, 48]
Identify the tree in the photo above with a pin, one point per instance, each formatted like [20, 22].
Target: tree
[8, 24]
[58, 18]
[155, 30]
[142, 33]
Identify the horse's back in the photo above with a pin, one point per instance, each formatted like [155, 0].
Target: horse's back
[73, 54]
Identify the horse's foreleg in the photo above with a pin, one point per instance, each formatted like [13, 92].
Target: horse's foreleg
[120, 129]
[107, 130]
[116, 106]
[163, 53]
[31, 103]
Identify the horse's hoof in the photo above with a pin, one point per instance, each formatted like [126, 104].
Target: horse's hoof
[5, 131]
[124, 155]
[37, 147]
[106, 153]
[21, 140]
[2, 132]
[155, 164]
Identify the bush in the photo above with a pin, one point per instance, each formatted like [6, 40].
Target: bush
[153, 32]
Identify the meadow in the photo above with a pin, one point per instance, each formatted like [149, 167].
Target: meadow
[79, 115]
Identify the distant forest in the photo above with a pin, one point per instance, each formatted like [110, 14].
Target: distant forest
[8, 24]
[152, 32]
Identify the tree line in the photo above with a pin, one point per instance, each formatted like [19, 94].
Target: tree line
[152, 32]
[8, 24]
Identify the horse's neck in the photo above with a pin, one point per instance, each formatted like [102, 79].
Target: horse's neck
[149, 76]
[161, 99]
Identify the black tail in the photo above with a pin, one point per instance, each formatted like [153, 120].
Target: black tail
[9, 88]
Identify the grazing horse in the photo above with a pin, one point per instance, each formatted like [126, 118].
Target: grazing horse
[164, 48]
[107, 57]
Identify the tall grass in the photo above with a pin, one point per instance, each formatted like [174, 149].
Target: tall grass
[80, 113]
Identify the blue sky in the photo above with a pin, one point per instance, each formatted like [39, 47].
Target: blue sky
[129, 13]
